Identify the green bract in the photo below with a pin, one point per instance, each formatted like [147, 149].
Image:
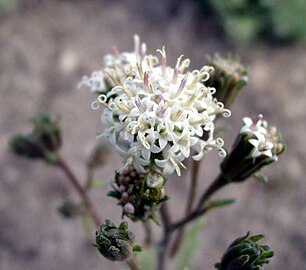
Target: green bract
[245, 254]
[114, 243]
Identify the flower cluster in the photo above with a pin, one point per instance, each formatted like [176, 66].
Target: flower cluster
[265, 139]
[101, 81]
[257, 145]
[155, 115]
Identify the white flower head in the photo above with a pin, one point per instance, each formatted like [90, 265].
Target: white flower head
[265, 139]
[157, 115]
[117, 67]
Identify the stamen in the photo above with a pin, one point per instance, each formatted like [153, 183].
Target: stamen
[175, 73]
[190, 100]
[102, 99]
[219, 109]
[146, 87]
[127, 92]
[143, 50]
[140, 70]
[143, 140]
[160, 98]
[212, 90]
[164, 61]
[226, 113]
[176, 116]
[176, 166]
[184, 65]
[95, 105]
[202, 93]
[195, 81]
[182, 85]
[204, 76]
[162, 111]
[202, 121]
[112, 76]
[123, 107]
[222, 153]
[139, 105]
[258, 118]
[141, 126]
[136, 44]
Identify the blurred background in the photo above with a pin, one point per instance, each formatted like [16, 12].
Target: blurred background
[45, 49]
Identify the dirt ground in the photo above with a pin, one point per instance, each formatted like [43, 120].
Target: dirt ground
[46, 48]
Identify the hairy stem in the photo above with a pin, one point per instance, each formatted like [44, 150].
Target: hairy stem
[200, 209]
[148, 233]
[219, 182]
[132, 263]
[191, 198]
[61, 163]
[163, 245]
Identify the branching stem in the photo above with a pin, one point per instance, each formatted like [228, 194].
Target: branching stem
[191, 198]
[200, 208]
[61, 163]
[163, 245]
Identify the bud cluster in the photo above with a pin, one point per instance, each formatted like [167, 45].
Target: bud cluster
[114, 243]
[139, 194]
[257, 145]
[227, 77]
[42, 143]
[245, 254]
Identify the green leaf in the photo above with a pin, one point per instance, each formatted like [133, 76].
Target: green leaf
[147, 259]
[114, 194]
[137, 248]
[190, 245]
[256, 238]
[219, 203]
[261, 178]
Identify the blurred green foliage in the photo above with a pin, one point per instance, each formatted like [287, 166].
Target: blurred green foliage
[7, 5]
[245, 21]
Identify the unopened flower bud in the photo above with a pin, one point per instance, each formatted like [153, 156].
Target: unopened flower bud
[139, 194]
[114, 243]
[256, 146]
[42, 143]
[47, 132]
[245, 254]
[228, 77]
[154, 179]
[24, 146]
[129, 208]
